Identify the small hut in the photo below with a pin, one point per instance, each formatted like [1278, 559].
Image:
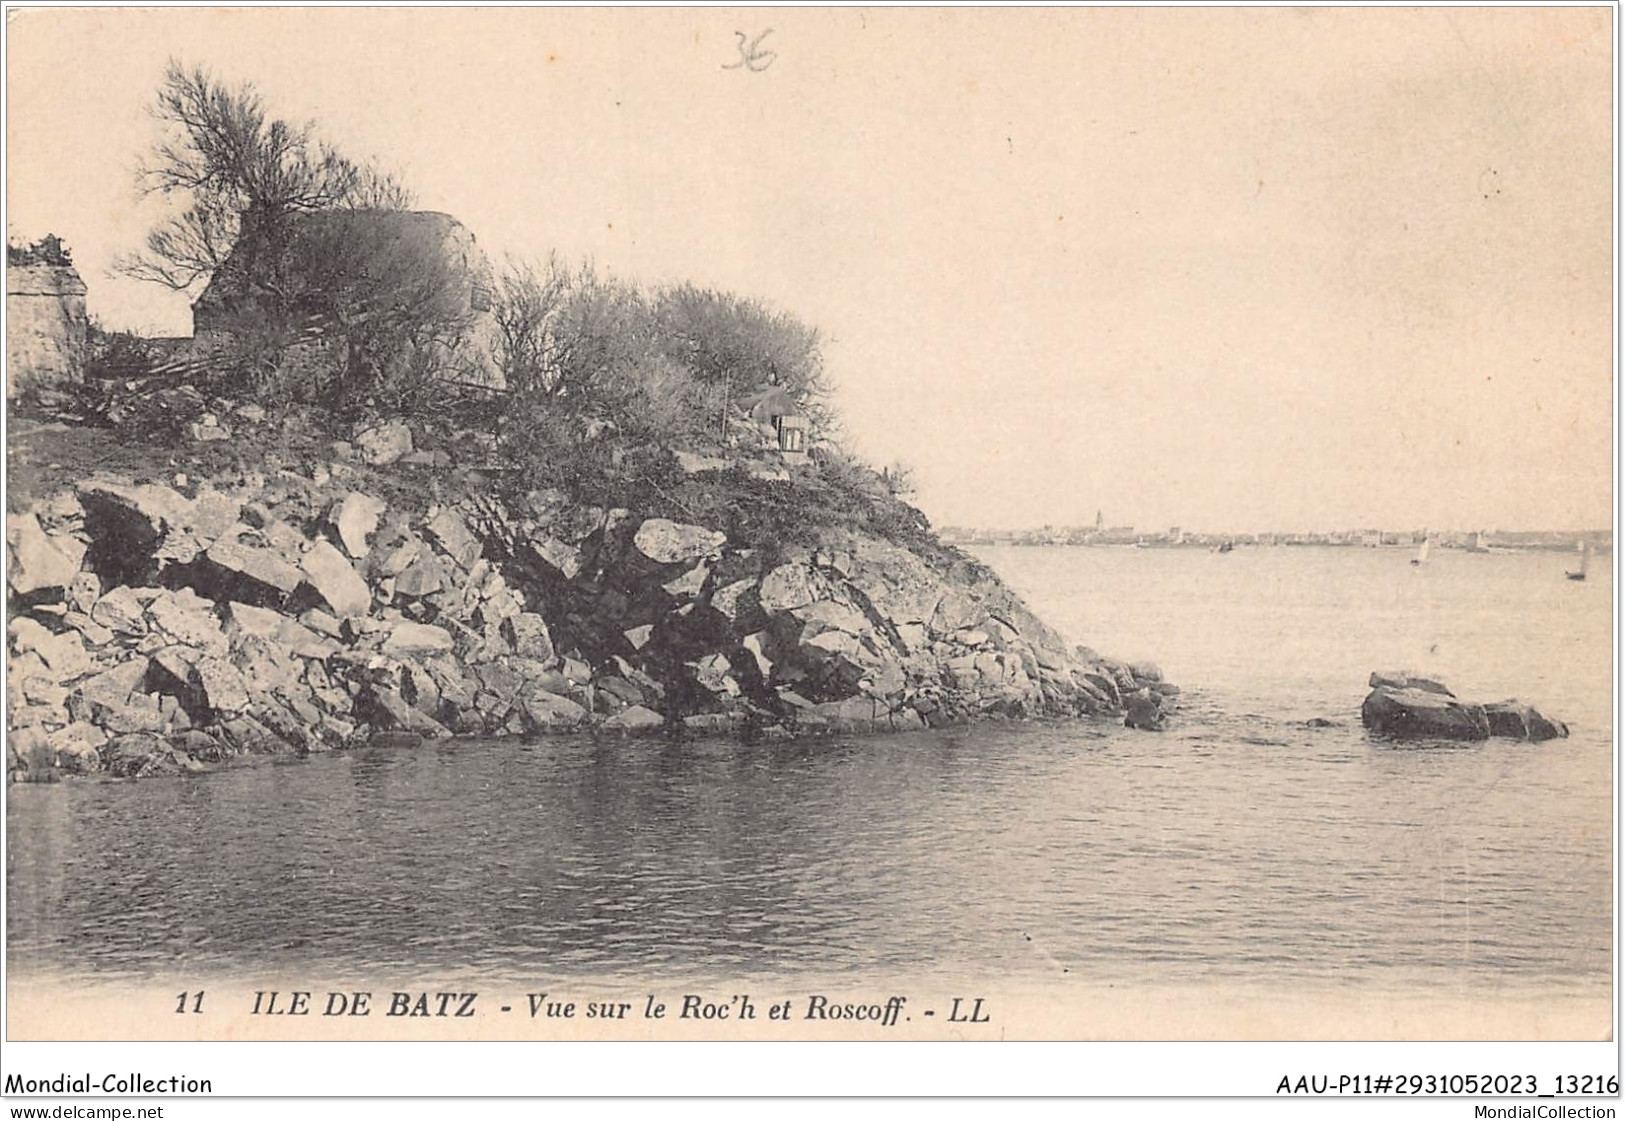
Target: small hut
[46, 323]
[776, 409]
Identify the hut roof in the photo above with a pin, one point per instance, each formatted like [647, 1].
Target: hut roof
[770, 401]
[387, 235]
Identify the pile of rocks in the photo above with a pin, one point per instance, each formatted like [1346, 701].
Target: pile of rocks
[157, 629]
[1404, 706]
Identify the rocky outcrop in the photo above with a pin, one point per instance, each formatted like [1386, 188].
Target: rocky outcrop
[1516, 720]
[1405, 707]
[159, 629]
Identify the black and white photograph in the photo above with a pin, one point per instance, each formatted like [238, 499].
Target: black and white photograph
[897, 525]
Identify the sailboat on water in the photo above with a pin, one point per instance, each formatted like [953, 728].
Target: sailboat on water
[1422, 553]
[1585, 562]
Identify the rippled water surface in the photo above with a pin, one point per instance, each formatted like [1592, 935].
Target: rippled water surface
[1241, 845]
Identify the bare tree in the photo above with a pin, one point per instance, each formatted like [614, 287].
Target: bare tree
[231, 163]
[527, 309]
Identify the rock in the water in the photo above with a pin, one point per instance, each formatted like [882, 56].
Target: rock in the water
[38, 561]
[1417, 713]
[138, 754]
[383, 444]
[356, 519]
[1145, 712]
[635, 719]
[1519, 721]
[387, 710]
[30, 757]
[1398, 679]
[548, 711]
[77, 748]
[668, 542]
[853, 714]
[335, 581]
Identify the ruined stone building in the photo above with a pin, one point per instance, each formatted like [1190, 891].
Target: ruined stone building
[46, 323]
[343, 266]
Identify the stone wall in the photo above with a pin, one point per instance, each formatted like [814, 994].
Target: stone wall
[46, 327]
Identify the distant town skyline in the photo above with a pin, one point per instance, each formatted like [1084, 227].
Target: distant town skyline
[1364, 535]
[1241, 270]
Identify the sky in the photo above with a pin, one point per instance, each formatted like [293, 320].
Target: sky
[1226, 269]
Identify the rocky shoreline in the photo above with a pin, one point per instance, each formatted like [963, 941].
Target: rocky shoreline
[160, 628]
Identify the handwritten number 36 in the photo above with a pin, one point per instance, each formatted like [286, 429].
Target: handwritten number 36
[751, 55]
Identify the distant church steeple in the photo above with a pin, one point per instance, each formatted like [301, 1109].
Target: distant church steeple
[1100, 520]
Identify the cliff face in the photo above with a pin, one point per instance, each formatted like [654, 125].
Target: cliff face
[157, 629]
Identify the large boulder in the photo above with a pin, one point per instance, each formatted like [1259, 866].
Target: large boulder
[189, 619]
[39, 561]
[1416, 713]
[249, 573]
[383, 444]
[387, 710]
[451, 533]
[63, 655]
[634, 720]
[122, 611]
[356, 518]
[417, 638]
[1519, 721]
[1145, 711]
[139, 754]
[527, 632]
[129, 526]
[669, 542]
[549, 712]
[558, 558]
[786, 587]
[335, 581]
[107, 691]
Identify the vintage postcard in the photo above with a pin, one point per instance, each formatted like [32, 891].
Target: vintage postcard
[1079, 525]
